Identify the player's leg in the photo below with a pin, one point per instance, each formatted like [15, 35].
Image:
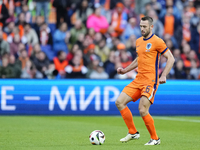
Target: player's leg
[121, 104]
[144, 106]
[126, 114]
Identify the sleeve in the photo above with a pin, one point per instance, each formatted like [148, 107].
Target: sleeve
[161, 46]
[89, 22]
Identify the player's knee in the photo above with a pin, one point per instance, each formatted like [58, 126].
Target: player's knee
[143, 111]
[119, 103]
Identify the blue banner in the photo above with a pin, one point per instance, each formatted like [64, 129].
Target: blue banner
[92, 97]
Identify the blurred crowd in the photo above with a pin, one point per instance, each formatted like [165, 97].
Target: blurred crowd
[92, 38]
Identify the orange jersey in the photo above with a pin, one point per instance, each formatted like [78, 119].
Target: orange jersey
[149, 51]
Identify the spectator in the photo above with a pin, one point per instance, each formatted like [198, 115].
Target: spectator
[131, 46]
[37, 25]
[42, 5]
[4, 13]
[79, 53]
[129, 8]
[91, 33]
[21, 20]
[191, 7]
[124, 62]
[85, 43]
[156, 6]
[108, 4]
[21, 47]
[97, 21]
[99, 73]
[158, 28]
[30, 35]
[9, 28]
[61, 10]
[121, 48]
[35, 52]
[4, 46]
[177, 54]
[180, 5]
[60, 38]
[169, 44]
[168, 37]
[194, 72]
[119, 19]
[115, 42]
[23, 57]
[18, 5]
[109, 65]
[76, 69]
[139, 4]
[185, 56]
[74, 49]
[15, 66]
[45, 37]
[41, 62]
[195, 31]
[146, 9]
[82, 13]
[76, 30]
[171, 23]
[30, 71]
[163, 62]
[14, 46]
[94, 61]
[193, 56]
[11, 17]
[186, 28]
[170, 4]
[179, 70]
[51, 73]
[80, 41]
[97, 38]
[5, 70]
[131, 29]
[60, 63]
[89, 51]
[124, 58]
[27, 13]
[102, 50]
[4, 34]
[113, 3]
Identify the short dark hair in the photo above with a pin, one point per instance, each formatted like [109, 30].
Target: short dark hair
[149, 19]
[59, 53]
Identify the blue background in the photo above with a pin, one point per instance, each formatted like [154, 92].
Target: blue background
[173, 98]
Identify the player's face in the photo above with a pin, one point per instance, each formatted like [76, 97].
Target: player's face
[145, 28]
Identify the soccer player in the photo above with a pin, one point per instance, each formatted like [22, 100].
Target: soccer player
[149, 48]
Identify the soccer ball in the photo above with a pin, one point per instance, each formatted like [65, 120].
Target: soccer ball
[97, 137]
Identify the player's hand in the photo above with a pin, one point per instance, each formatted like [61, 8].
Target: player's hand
[120, 70]
[162, 80]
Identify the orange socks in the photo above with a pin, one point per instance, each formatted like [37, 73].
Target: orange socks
[128, 119]
[148, 120]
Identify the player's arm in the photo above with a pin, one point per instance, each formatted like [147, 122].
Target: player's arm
[169, 65]
[132, 66]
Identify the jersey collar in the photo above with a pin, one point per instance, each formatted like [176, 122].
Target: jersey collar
[148, 38]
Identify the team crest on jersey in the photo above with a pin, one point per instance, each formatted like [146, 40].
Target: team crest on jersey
[148, 46]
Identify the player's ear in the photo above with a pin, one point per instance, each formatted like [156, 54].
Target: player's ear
[152, 26]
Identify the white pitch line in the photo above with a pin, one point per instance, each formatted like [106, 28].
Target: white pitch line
[31, 98]
[176, 119]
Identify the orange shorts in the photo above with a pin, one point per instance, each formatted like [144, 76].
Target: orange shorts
[135, 91]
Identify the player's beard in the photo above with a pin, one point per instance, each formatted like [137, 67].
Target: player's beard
[146, 34]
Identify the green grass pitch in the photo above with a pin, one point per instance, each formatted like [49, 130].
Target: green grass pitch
[72, 133]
